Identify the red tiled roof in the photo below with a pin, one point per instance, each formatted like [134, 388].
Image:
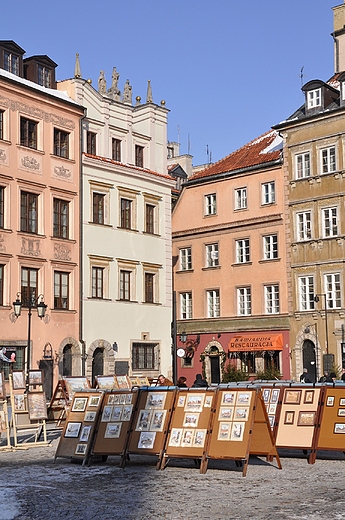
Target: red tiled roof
[111, 161]
[263, 149]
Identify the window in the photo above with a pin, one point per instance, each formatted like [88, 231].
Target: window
[44, 76]
[186, 258]
[91, 143]
[241, 198]
[61, 143]
[19, 363]
[97, 282]
[329, 222]
[213, 310]
[11, 62]
[126, 214]
[2, 208]
[29, 281]
[2, 269]
[98, 200]
[210, 204]
[28, 133]
[139, 156]
[270, 247]
[60, 290]
[272, 299]
[149, 287]
[302, 167]
[125, 285]
[303, 224]
[186, 306]
[244, 301]
[1, 124]
[333, 290]
[28, 212]
[314, 98]
[116, 150]
[242, 251]
[212, 255]
[145, 356]
[150, 218]
[60, 218]
[328, 162]
[306, 293]
[268, 193]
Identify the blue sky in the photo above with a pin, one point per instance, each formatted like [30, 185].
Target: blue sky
[228, 69]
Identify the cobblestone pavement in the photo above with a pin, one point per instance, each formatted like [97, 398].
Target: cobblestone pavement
[33, 487]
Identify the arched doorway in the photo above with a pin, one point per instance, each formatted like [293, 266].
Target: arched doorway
[309, 359]
[67, 361]
[213, 359]
[215, 365]
[97, 363]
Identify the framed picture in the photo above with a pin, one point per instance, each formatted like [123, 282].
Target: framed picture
[155, 400]
[271, 419]
[73, 429]
[175, 437]
[241, 414]
[289, 417]
[266, 395]
[306, 419]
[76, 384]
[275, 395]
[194, 402]
[37, 406]
[157, 421]
[244, 398]
[237, 431]
[309, 397]
[105, 382]
[330, 400]
[341, 412]
[127, 412]
[116, 413]
[339, 428]
[187, 438]
[19, 403]
[123, 382]
[181, 401]
[225, 413]
[208, 401]
[129, 398]
[144, 420]
[85, 434]
[2, 385]
[190, 420]
[89, 416]
[2, 421]
[80, 449]
[272, 408]
[122, 398]
[228, 398]
[111, 399]
[18, 379]
[94, 400]
[342, 401]
[292, 396]
[134, 381]
[199, 438]
[224, 431]
[106, 414]
[147, 440]
[79, 404]
[113, 430]
[143, 381]
[35, 377]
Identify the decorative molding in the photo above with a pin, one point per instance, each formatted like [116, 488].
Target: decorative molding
[2, 247]
[61, 171]
[62, 252]
[3, 155]
[30, 247]
[37, 113]
[30, 162]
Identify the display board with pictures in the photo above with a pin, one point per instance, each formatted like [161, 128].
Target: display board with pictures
[151, 420]
[271, 395]
[331, 434]
[80, 425]
[115, 419]
[240, 427]
[299, 416]
[190, 424]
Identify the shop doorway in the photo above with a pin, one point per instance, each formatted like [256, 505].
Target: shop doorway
[97, 364]
[309, 359]
[215, 369]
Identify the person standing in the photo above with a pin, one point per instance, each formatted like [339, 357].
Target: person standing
[304, 376]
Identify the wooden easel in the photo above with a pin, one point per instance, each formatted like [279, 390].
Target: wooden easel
[3, 406]
[58, 405]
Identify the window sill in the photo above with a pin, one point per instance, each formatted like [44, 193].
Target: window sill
[126, 301]
[264, 204]
[101, 225]
[63, 158]
[128, 229]
[27, 148]
[59, 311]
[31, 234]
[239, 264]
[71, 240]
[210, 215]
[153, 304]
[265, 260]
[185, 271]
[150, 234]
[211, 268]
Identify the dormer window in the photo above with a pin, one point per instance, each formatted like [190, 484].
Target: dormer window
[11, 62]
[314, 98]
[44, 76]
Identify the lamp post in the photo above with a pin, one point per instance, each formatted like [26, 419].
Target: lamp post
[30, 303]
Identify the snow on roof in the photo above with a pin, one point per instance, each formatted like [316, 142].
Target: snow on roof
[263, 149]
[52, 92]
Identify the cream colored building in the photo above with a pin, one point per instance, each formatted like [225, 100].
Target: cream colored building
[126, 230]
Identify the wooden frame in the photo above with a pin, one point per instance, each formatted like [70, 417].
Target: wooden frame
[73, 429]
[309, 397]
[79, 404]
[18, 380]
[306, 418]
[35, 377]
[37, 406]
[292, 396]
[330, 400]
[289, 417]
[19, 403]
[339, 428]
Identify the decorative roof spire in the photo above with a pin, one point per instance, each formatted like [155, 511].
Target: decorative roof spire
[77, 69]
[149, 98]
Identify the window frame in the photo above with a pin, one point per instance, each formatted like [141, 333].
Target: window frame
[61, 143]
[12, 62]
[328, 160]
[30, 290]
[268, 193]
[149, 354]
[98, 208]
[126, 213]
[303, 225]
[244, 300]
[212, 303]
[125, 282]
[242, 247]
[306, 292]
[139, 156]
[2, 122]
[241, 198]
[210, 204]
[61, 296]
[60, 220]
[272, 298]
[185, 257]
[28, 133]
[332, 285]
[116, 149]
[44, 76]
[330, 223]
[270, 246]
[314, 98]
[302, 165]
[212, 249]
[2, 207]
[29, 217]
[91, 142]
[2, 284]
[97, 282]
[186, 305]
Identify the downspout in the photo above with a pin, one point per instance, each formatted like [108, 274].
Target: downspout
[81, 200]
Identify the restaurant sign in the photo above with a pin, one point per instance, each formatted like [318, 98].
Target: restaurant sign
[254, 342]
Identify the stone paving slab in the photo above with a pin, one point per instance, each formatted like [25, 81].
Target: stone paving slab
[33, 487]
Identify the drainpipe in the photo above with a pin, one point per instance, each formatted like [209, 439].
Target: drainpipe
[81, 198]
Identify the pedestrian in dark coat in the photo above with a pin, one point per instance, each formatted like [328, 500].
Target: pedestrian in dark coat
[199, 382]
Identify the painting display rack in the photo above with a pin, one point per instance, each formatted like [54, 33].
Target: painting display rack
[4, 425]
